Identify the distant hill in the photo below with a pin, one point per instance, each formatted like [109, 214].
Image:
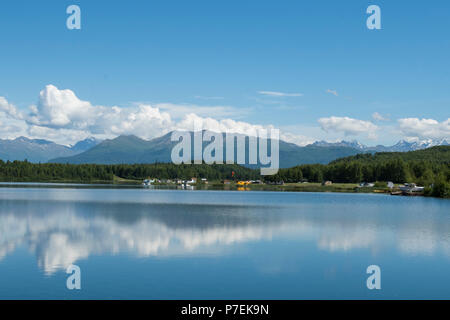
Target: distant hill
[38, 150]
[131, 149]
[124, 149]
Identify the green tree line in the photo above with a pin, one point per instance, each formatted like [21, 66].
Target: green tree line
[429, 168]
[25, 171]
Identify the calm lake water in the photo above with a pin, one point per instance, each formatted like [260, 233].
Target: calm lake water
[173, 244]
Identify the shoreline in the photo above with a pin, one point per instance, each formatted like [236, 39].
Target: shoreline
[350, 188]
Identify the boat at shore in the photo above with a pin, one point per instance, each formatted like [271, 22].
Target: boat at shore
[409, 189]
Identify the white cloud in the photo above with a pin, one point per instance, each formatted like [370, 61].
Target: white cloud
[348, 126]
[9, 109]
[62, 117]
[379, 117]
[333, 92]
[424, 128]
[60, 136]
[191, 121]
[11, 129]
[180, 110]
[297, 139]
[279, 94]
[62, 109]
[11, 123]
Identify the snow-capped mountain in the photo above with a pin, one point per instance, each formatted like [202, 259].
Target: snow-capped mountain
[401, 146]
[351, 144]
[38, 150]
[85, 144]
[405, 145]
[158, 149]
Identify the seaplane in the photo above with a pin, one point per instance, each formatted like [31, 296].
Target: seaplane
[148, 182]
[411, 189]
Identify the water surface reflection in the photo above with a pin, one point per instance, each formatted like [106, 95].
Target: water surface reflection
[61, 227]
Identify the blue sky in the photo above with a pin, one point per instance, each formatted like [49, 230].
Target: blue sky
[230, 60]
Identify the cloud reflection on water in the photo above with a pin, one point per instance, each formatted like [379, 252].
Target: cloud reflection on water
[60, 233]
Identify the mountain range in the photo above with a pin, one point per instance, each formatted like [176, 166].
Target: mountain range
[401, 146]
[131, 149]
[38, 150]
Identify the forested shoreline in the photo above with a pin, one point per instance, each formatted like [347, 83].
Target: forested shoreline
[429, 168]
[31, 172]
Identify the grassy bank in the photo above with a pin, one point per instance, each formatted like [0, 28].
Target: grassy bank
[218, 185]
[294, 187]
